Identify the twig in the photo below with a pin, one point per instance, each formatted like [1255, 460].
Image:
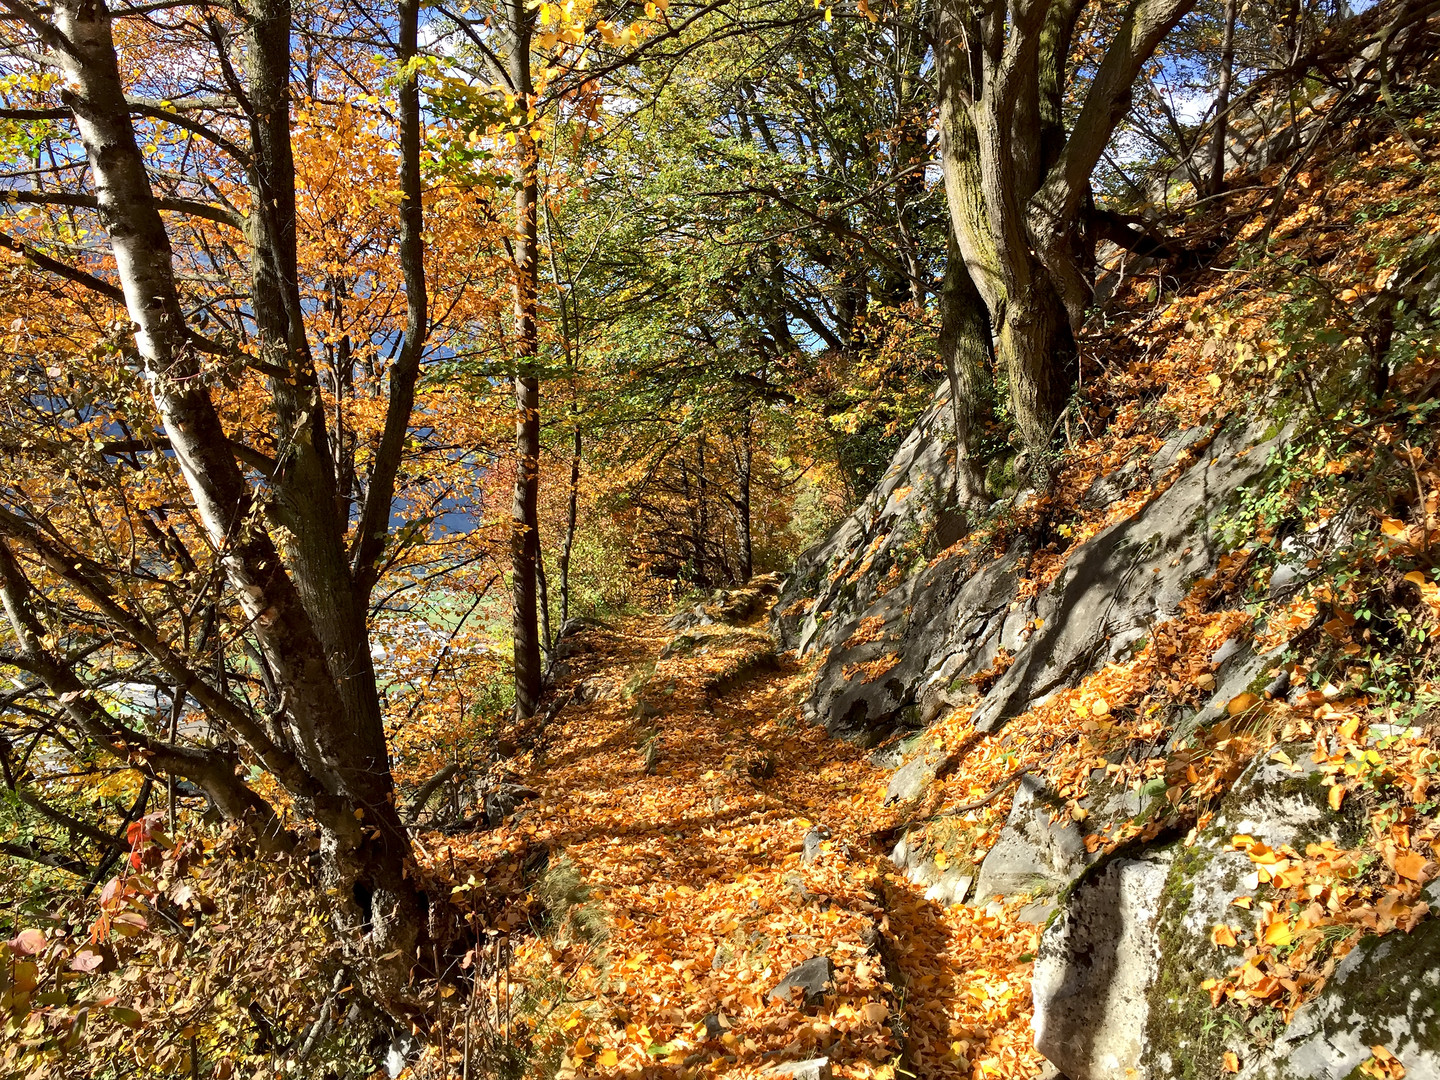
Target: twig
[964, 808]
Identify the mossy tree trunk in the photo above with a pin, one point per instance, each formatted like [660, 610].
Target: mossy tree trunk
[1017, 182]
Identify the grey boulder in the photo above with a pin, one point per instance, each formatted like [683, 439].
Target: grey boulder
[814, 978]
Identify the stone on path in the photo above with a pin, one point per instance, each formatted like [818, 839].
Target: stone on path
[814, 977]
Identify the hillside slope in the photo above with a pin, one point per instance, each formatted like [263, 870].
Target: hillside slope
[1208, 645]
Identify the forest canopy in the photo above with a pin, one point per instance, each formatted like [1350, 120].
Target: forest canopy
[356, 355]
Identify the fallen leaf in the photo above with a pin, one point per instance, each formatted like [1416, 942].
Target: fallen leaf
[1410, 865]
[1243, 703]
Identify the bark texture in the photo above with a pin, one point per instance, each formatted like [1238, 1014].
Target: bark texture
[1016, 180]
[525, 529]
[307, 608]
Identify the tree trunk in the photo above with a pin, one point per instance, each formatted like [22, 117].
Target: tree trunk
[525, 532]
[1037, 351]
[1032, 340]
[1016, 181]
[702, 514]
[1222, 103]
[571, 518]
[309, 627]
[746, 461]
[964, 348]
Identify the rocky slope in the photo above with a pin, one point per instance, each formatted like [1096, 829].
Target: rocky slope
[1167, 709]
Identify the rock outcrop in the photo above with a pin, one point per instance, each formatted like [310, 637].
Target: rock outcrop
[1117, 983]
[901, 620]
[1386, 992]
[887, 649]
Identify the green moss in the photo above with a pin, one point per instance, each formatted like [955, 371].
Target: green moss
[1182, 1024]
[1000, 477]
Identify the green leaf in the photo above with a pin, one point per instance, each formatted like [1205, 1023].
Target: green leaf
[129, 1017]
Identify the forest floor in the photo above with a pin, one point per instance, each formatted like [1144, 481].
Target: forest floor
[694, 852]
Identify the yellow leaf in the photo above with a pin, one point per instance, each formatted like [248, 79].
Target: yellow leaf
[1336, 796]
[1101, 707]
[941, 860]
[1278, 933]
[827, 15]
[1213, 380]
[608, 1059]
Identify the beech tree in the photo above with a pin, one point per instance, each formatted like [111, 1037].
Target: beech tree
[264, 532]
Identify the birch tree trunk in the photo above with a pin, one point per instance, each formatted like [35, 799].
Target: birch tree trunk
[307, 608]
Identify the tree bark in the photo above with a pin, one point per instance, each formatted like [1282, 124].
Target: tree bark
[745, 465]
[964, 349]
[1016, 181]
[702, 514]
[525, 531]
[571, 520]
[1025, 313]
[1216, 182]
[303, 608]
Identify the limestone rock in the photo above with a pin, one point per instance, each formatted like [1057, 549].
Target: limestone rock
[810, 847]
[946, 620]
[1117, 977]
[948, 886]
[1094, 970]
[1033, 853]
[502, 801]
[1239, 669]
[1386, 992]
[814, 978]
[824, 590]
[813, 1069]
[908, 783]
[1128, 577]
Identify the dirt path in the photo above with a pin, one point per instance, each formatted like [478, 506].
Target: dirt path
[683, 790]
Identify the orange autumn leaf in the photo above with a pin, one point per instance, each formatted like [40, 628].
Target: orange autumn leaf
[1411, 865]
[1223, 935]
[1241, 703]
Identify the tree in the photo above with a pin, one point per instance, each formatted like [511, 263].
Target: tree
[215, 456]
[1017, 172]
